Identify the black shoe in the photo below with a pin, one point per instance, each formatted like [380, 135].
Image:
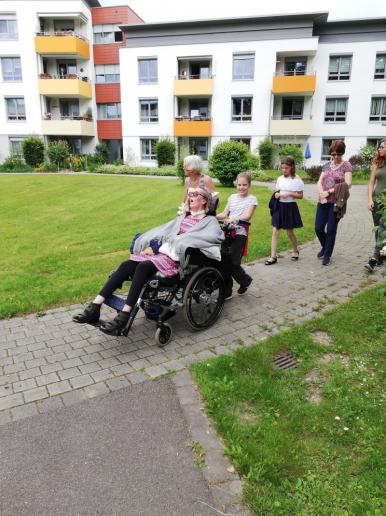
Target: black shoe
[271, 260]
[320, 254]
[89, 315]
[115, 326]
[371, 264]
[326, 260]
[244, 289]
[380, 261]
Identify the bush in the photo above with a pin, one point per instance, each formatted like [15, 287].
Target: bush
[58, 153]
[367, 153]
[33, 150]
[290, 149]
[314, 172]
[229, 159]
[180, 170]
[46, 167]
[78, 163]
[253, 162]
[101, 153]
[356, 161]
[266, 150]
[166, 170]
[15, 163]
[165, 151]
[118, 162]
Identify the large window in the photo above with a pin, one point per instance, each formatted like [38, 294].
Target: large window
[147, 71]
[336, 109]
[109, 111]
[148, 148]
[15, 108]
[241, 109]
[107, 73]
[380, 66]
[11, 69]
[148, 110]
[243, 67]
[15, 144]
[199, 146]
[8, 26]
[104, 34]
[242, 139]
[339, 68]
[378, 109]
[326, 144]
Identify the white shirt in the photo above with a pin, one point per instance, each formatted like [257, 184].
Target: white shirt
[289, 184]
[238, 205]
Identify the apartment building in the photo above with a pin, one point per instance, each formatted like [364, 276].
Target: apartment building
[294, 78]
[60, 73]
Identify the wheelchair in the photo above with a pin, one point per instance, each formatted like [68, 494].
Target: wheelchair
[198, 290]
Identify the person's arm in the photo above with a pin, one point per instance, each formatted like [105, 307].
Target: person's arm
[348, 174]
[370, 188]
[224, 214]
[247, 215]
[296, 195]
[209, 184]
[322, 193]
[185, 189]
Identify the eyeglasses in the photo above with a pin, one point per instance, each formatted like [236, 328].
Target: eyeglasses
[336, 154]
[382, 147]
[194, 194]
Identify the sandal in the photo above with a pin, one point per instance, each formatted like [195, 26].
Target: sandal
[271, 260]
[115, 326]
[295, 256]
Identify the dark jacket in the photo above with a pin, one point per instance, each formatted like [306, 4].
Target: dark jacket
[341, 192]
[273, 204]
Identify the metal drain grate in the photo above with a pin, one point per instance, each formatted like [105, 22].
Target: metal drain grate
[285, 360]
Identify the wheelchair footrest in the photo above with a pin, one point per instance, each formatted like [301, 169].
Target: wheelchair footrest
[115, 302]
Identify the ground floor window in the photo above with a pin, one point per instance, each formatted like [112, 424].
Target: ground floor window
[241, 139]
[115, 149]
[326, 143]
[15, 143]
[75, 144]
[374, 142]
[199, 146]
[148, 148]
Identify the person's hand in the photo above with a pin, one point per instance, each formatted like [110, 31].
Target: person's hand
[324, 194]
[277, 195]
[370, 205]
[148, 251]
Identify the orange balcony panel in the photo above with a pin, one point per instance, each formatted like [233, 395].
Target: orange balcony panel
[109, 129]
[62, 45]
[192, 128]
[294, 84]
[108, 93]
[107, 54]
[192, 87]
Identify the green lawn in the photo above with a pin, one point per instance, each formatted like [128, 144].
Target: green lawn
[61, 235]
[360, 177]
[299, 457]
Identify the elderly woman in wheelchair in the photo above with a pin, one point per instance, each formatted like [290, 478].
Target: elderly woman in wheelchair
[175, 264]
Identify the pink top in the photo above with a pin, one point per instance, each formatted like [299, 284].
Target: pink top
[333, 176]
[163, 262]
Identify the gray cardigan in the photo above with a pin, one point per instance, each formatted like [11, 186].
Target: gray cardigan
[206, 235]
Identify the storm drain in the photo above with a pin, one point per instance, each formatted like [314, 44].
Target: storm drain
[284, 360]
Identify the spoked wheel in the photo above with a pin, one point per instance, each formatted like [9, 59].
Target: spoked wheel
[203, 298]
[163, 335]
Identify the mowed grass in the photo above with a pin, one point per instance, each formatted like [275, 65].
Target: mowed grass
[296, 456]
[61, 235]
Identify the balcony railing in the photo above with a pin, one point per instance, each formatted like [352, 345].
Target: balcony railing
[62, 33]
[291, 73]
[187, 118]
[48, 116]
[291, 117]
[67, 76]
[187, 76]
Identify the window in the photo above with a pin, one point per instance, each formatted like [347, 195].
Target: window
[374, 142]
[107, 73]
[147, 71]
[241, 109]
[64, 25]
[104, 34]
[148, 148]
[15, 144]
[109, 111]
[295, 65]
[292, 108]
[243, 67]
[339, 68]
[8, 26]
[336, 110]
[199, 146]
[378, 109]
[68, 108]
[66, 68]
[15, 108]
[380, 67]
[242, 139]
[326, 143]
[11, 68]
[148, 109]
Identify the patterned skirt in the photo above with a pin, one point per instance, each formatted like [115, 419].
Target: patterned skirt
[164, 264]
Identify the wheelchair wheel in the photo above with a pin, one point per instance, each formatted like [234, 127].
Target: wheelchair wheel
[203, 299]
[163, 335]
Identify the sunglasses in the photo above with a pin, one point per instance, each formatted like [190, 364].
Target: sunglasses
[336, 154]
[194, 194]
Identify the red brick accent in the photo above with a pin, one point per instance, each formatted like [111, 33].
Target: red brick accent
[107, 54]
[118, 15]
[109, 129]
[108, 93]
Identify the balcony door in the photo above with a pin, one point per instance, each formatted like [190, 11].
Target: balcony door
[69, 108]
[199, 70]
[199, 108]
[292, 109]
[295, 65]
[66, 68]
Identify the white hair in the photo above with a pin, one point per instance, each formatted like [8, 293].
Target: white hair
[193, 163]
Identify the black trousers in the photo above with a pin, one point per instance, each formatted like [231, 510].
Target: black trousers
[139, 272]
[231, 265]
[326, 225]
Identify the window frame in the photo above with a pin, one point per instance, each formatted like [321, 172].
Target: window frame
[335, 120]
[149, 119]
[327, 157]
[106, 105]
[9, 36]
[115, 76]
[341, 76]
[243, 56]
[18, 118]
[14, 139]
[243, 117]
[384, 68]
[382, 115]
[152, 155]
[150, 81]
[13, 58]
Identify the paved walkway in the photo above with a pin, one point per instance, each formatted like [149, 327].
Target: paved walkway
[49, 362]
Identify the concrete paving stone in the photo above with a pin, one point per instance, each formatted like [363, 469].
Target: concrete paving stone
[59, 387]
[5, 417]
[156, 371]
[66, 374]
[93, 357]
[35, 394]
[49, 404]
[174, 365]
[51, 368]
[57, 357]
[110, 353]
[97, 389]
[11, 401]
[127, 357]
[24, 411]
[81, 381]
[93, 348]
[76, 343]
[100, 376]
[73, 362]
[22, 357]
[108, 362]
[40, 344]
[141, 363]
[8, 379]
[117, 383]
[19, 350]
[14, 368]
[6, 361]
[29, 373]
[3, 353]
[73, 397]
[182, 379]
[146, 352]
[221, 350]
[45, 379]
[6, 390]
[90, 368]
[121, 369]
[217, 472]
[75, 353]
[39, 353]
[137, 377]
[158, 359]
[24, 385]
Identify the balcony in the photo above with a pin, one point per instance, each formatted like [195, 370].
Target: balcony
[197, 126]
[191, 86]
[62, 44]
[290, 126]
[301, 84]
[68, 126]
[65, 86]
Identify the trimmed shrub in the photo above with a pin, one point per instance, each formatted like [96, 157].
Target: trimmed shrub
[266, 150]
[165, 152]
[367, 153]
[58, 153]
[314, 172]
[356, 161]
[101, 153]
[290, 149]
[15, 163]
[33, 150]
[253, 162]
[166, 170]
[180, 170]
[46, 167]
[229, 159]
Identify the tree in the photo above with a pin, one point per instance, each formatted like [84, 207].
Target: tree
[228, 159]
[101, 153]
[291, 149]
[58, 152]
[33, 150]
[367, 153]
[165, 151]
[266, 149]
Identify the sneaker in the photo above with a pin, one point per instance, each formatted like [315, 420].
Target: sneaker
[228, 296]
[115, 326]
[320, 254]
[326, 260]
[371, 264]
[244, 289]
[89, 315]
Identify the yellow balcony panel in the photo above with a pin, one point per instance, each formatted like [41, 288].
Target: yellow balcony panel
[193, 87]
[291, 127]
[192, 128]
[75, 88]
[68, 128]
[294, 84]
[62, 45]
